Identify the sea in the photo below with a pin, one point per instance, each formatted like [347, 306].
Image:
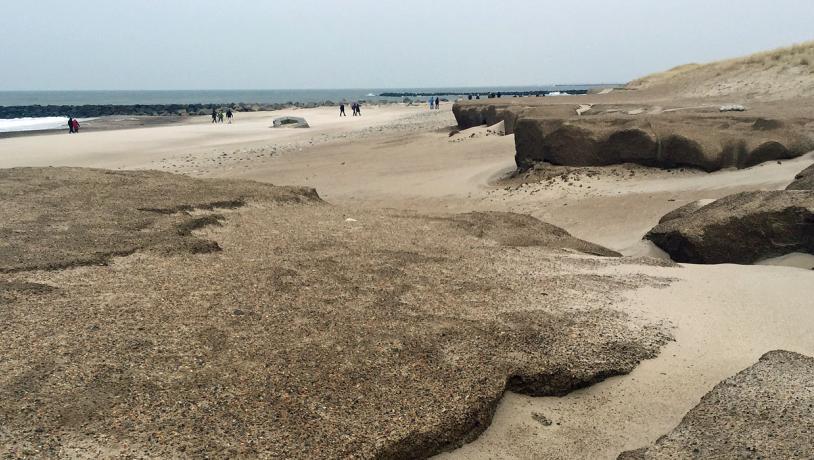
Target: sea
[263, 96]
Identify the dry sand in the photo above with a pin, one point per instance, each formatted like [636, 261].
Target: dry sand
[166, 147]
[784, 73]
[725, 316]
[770, 404]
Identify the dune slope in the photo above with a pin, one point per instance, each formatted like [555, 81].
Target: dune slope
[786, 73]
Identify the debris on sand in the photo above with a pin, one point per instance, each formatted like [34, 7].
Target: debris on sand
[541, 419]
[732, 108]
[290, 122]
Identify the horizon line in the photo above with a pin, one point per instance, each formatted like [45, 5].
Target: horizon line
[313, 89]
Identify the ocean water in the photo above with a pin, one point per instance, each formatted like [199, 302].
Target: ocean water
[263, 96]
[33, 124]
[18, 98]
[36, 124]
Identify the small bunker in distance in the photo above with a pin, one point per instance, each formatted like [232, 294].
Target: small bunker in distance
[290, 122]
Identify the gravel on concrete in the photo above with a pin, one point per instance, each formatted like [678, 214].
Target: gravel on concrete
[313, 332]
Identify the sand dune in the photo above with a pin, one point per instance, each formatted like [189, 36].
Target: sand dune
[786, 73]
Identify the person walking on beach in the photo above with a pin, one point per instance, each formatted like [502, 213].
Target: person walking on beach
[214, 116]
[437, 103]
[229, 115]
[75, 125]
[342, 110]
[430, 102]
[220, 116]
[70, 125]
[359, 109]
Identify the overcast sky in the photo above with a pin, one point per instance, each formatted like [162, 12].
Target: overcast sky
[265, 44]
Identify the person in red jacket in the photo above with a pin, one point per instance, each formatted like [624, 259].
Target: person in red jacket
[75, 125]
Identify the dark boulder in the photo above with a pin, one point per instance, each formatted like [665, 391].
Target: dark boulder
[685, 210]
[742, 228]
[804, 180]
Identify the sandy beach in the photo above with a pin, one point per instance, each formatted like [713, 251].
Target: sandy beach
[393, 231]
[722, 317]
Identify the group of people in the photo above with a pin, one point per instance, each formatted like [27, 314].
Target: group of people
[434, 103]
[73, 125]
[356, 107]
[218, 115]
[491, 95]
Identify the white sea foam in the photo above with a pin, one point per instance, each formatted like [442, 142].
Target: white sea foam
[35, 124]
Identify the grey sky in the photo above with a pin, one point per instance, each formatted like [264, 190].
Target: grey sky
[257, 44]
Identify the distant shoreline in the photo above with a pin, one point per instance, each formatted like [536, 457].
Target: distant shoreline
[155, 110]
[110, 117]
[573, 92]
[173, 106]
[104, 123]
[21, 104]
[132, 121]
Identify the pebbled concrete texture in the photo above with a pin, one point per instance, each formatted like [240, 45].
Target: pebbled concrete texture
[765, 411]
[312, 330]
